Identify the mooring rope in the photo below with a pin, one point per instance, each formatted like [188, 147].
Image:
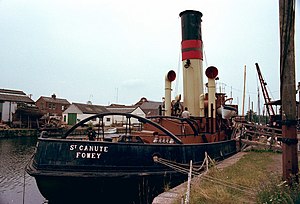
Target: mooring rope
[182, 168]
[242, 187]
[195, 167]
[171, 165]
[24, 184]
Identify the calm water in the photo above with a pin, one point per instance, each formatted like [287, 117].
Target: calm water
[14, 155]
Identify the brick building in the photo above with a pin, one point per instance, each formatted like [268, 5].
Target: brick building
[52, 106]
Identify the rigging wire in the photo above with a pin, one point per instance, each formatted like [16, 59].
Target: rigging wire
[221, 84]
[24, 184]
[204, 53]
[258, 99]
[178, 72]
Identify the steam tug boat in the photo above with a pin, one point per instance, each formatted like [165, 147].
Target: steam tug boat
[72, 168]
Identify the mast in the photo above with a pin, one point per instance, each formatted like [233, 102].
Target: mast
[244, 93]
[288, 90]
[258, 105]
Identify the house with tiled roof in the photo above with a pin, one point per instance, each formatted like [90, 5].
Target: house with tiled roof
[119, 120]
[79, 111]
[17, 107]
[52, 106]
[150, 108]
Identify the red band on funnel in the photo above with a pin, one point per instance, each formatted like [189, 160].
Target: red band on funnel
[191, 49]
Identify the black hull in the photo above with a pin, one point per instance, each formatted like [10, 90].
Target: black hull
[106, 190]
[66, 174]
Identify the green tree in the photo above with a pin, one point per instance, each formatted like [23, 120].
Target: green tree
[252, 116]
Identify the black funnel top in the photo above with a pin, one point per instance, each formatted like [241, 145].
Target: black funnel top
[191, 25]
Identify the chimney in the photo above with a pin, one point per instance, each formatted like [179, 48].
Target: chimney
[53, 96]
[192, 60]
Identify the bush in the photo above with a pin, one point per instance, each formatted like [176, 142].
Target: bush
[274, 193]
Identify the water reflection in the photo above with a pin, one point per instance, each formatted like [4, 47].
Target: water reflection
[14, 155]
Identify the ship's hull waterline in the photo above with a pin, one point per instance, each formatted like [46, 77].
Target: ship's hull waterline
[76, 170]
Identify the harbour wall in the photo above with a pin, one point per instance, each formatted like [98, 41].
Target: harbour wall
[10, 133]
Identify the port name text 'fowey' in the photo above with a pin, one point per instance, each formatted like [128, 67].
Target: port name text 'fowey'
[88, 151]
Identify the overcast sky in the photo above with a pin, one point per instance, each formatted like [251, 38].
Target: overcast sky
[119, 51]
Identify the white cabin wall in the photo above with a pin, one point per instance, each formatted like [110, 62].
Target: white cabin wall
[139, 112]
[8, 108]
[119, 119]
[71, 109]
[83, 116]
[107, 120]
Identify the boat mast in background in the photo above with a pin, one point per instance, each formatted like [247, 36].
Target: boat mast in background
[244, 93]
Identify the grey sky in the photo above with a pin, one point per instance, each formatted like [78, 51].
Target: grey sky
[119, 51]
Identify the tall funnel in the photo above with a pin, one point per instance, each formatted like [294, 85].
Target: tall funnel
[192, 59]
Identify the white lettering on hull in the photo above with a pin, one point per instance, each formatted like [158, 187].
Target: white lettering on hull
[88, 151]
[88, 155]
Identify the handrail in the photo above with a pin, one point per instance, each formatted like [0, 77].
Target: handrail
[128, 115]
[264, 127]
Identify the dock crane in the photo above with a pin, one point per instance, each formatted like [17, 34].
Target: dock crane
[275, 120]
[263, 84]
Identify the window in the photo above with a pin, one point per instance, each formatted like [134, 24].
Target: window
[107, 119]
[62, 108]
[49, 105]
[65, 118]
[53, 106]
